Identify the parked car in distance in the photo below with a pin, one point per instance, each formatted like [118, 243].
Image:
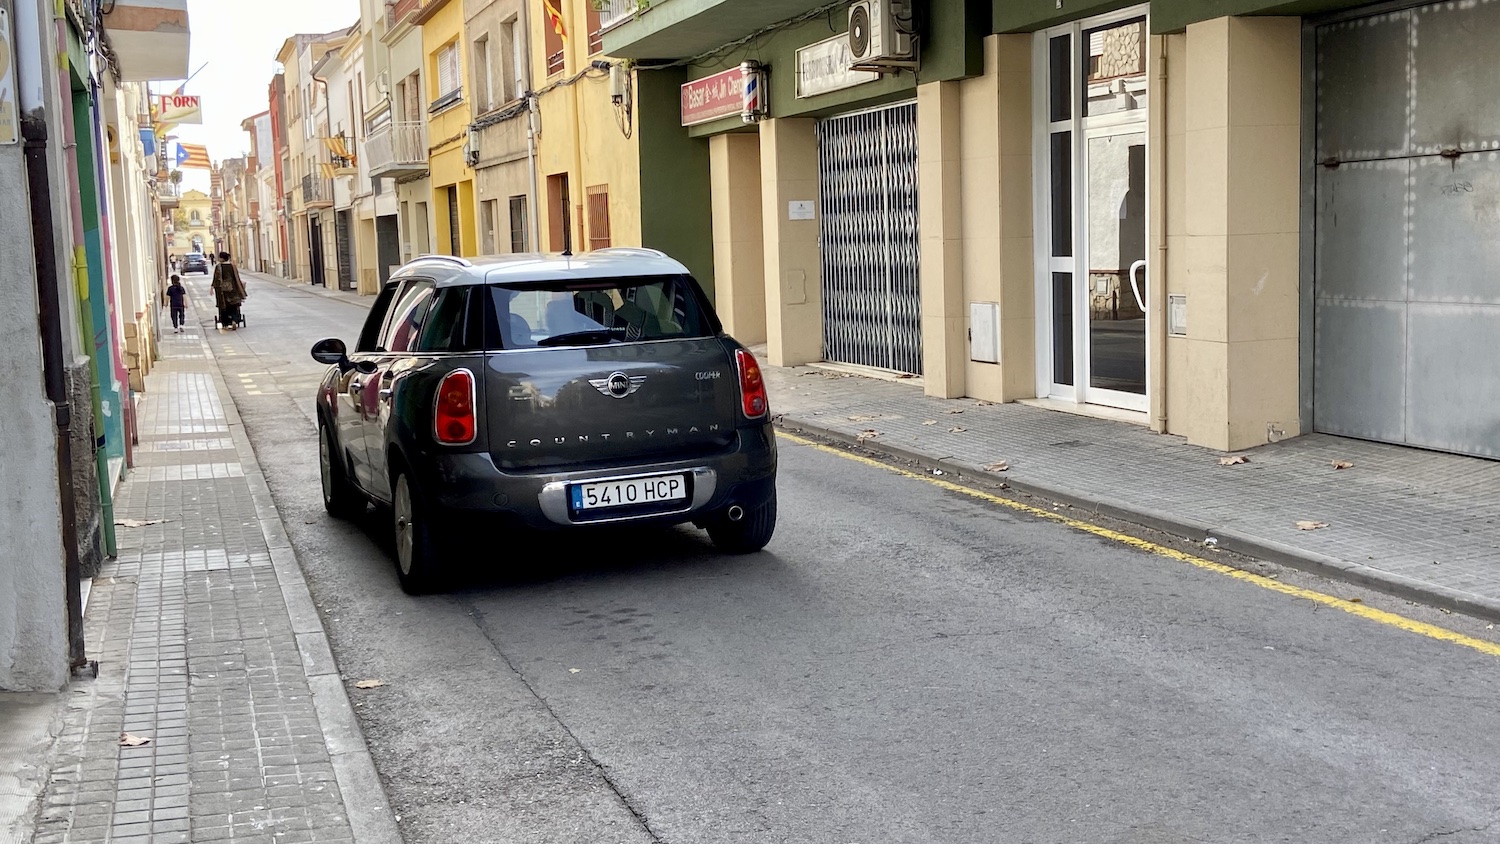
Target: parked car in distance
[557, 392]
[194, 262]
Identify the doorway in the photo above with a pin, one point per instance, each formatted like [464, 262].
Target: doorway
[315, 249]
[1091, 182]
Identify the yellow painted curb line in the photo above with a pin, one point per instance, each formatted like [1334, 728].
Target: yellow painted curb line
[1380, 616]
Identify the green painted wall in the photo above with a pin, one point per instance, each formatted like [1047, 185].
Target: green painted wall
[676, 208]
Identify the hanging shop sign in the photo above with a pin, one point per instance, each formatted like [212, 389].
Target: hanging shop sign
[824, 67]
[713, 97]
[180, 108]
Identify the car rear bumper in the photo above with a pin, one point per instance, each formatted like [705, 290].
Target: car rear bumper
[472, 484]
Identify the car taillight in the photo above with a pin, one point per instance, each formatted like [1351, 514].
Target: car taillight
[752, 386]
[453, 417]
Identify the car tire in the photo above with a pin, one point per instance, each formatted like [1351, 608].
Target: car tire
[341, 498]
[416, 537]
[749, 534]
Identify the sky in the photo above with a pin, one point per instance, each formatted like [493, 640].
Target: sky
[235, 44]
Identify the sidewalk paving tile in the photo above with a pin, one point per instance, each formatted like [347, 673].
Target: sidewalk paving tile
[196, 653]
[1424, 516]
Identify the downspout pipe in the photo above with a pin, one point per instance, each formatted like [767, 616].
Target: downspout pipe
[532, 130]
[34, 133]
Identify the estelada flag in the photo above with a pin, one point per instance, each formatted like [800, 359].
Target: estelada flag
[555, 17]
[193, 155]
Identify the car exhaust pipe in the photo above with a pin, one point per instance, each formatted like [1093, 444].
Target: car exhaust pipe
[736, 513]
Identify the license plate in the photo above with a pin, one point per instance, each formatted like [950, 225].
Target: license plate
[662, 489]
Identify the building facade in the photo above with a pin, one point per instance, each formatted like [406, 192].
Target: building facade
[1110, 209]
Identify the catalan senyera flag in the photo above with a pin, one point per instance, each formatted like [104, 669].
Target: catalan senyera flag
[193, 155]
[555, 17]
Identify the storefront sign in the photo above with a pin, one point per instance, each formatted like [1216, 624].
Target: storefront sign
[824, 67]
[713, 97]
[179, 108]
[10, 122]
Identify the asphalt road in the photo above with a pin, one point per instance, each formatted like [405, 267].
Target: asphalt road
[902, 664]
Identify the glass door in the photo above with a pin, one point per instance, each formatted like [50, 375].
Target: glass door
[1092, 202]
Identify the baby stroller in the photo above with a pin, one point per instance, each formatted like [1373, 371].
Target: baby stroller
[232, 316]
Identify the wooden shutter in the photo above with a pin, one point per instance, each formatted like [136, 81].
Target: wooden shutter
[598, 199]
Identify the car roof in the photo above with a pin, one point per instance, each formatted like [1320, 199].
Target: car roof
[613, 262]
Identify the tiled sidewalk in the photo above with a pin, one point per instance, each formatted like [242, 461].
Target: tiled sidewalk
[210, 647]
[1419, 524]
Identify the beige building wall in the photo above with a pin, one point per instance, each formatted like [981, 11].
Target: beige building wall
[793, 265]
[1235, 252]
[940, 225]
[739, 248]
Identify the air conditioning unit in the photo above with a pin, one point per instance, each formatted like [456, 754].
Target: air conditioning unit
[882, 35]
[471, 147]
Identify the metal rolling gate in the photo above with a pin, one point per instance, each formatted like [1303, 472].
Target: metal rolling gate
[1407, 228]
[872, 302]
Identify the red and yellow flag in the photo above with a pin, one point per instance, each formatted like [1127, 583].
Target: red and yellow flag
[555, 17]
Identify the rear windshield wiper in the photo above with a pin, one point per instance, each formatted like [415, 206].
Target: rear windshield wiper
[598, 336]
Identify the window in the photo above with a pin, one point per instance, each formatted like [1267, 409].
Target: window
[449, 82]
[444, 330]
[481, 65]
[596, 31]
[553, 44]
[518, 225]
[559, 216]
[407, 316]
[598, 198]
[512, 75]
[596, 312]
[369, 338]
[489, 210]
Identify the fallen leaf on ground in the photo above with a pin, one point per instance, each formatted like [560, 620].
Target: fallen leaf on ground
[930, 422]
[1233, 461]
[138, 522]
[574, 670]
[1342, 464]
[997, 466]
[1356, 600]
[369, 684]
[983, 403]
[954, 410]
[864, 417]
[1310, 525]
[128, 740]
[867, 435]
[906, 375]
[957, 430]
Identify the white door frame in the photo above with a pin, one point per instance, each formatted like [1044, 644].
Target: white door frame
[1082, 129]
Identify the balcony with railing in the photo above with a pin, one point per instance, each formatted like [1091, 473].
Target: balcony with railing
[398, 148]
[612, 13]
[317, 192]
[397, 11]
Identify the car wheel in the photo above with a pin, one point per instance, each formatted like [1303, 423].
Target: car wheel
[416, 541]
[749, 534]
[340, 497]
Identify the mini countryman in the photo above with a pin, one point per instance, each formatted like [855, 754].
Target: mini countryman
[557, 392]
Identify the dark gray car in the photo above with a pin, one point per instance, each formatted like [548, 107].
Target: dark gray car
[556, 392]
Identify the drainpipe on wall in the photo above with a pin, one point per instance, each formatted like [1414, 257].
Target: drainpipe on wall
[532, 130]
[29, 33]
[1158, 287]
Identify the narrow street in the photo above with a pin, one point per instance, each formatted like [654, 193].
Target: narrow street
[903, 663]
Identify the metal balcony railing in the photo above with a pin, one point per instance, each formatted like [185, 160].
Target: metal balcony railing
[399, 145]
[612, 13]
[317, 191]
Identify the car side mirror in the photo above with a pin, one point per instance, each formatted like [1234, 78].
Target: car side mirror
[332, 352]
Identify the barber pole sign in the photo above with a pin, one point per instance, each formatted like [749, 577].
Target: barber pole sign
[753, 100]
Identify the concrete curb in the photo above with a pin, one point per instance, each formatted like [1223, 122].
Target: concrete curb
[316, 290]
[365, 802]
[1239, 542]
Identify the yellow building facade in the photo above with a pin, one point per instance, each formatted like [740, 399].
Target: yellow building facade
[444, 62]
[588, 154]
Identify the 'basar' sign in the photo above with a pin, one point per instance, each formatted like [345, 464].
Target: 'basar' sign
[713, 97]
[179, 108]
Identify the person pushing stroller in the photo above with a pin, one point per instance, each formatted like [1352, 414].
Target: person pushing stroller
[229, 292]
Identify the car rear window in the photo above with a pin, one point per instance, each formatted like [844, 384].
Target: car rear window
[593, 312]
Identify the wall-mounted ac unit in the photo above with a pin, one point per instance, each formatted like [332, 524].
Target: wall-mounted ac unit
[471, 147]
[882, 35]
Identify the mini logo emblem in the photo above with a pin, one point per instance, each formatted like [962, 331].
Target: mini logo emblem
[618, 385]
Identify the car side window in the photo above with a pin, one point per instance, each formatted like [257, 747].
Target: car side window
[446, 324]
[407, 316]
[369, 337]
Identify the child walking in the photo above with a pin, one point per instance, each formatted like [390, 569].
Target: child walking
[177, 295]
